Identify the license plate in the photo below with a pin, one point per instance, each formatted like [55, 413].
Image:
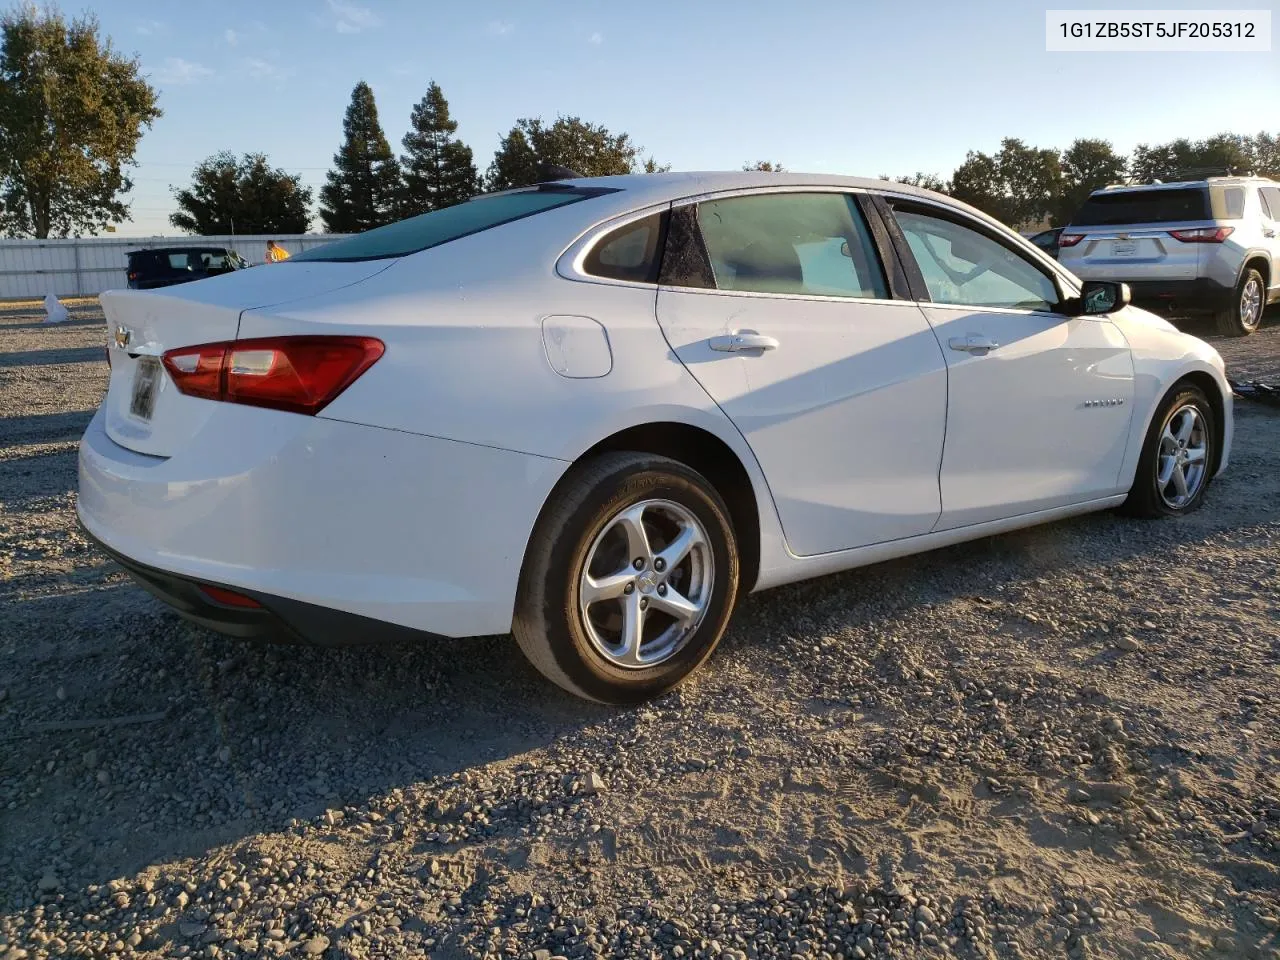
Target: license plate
[1123, 248]
[146, 380]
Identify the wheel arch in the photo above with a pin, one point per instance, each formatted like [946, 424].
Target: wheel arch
[703, 451]
[1213, 391]
[1259, 260]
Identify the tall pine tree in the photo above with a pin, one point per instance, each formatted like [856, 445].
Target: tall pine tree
[364, 189]
[438, 168]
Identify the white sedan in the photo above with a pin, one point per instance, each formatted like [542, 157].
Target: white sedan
[594, 413]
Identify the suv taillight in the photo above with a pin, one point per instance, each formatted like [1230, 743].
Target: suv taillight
[1069, 239]
[298, 374]
[1203, 234]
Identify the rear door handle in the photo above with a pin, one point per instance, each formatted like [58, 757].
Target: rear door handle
[738, 342]
[973, 344]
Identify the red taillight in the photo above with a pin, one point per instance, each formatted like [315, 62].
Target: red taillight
[228, 598]
[133, 274]
[297, 374]
[1069, 239]
[1203, 234]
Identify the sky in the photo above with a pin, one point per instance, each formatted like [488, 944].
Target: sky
[860, 87]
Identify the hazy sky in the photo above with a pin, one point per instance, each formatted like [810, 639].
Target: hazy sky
[851, 87]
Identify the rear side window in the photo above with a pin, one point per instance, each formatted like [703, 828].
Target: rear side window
[814, 244]
[450, 223]
[1143, 206]
[1272, 196]
[632, 252]
[1228, 203]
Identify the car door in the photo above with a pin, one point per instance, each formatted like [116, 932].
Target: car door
[778, 303]
[1039, 402]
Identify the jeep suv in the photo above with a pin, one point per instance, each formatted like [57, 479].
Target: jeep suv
[1206, 247]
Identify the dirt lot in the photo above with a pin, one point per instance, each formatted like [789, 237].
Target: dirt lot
[1061, 742]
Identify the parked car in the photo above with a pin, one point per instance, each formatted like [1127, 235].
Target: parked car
[165, 266]
[597, 412]
[1047, 240]
[1203, 247]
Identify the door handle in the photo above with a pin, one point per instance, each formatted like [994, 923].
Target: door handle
[738, 342]
[1268, 232]
[973, 344]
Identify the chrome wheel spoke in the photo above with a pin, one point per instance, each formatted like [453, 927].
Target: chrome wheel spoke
[1180, 481]
[677, 605]
[1168, 442]
[1188, 424]
[1195, 454]
[596, 589]
[632, 636]
[1167, 465]
[631, 521]
[673, 554]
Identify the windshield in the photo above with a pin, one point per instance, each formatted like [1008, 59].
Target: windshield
[440, 226]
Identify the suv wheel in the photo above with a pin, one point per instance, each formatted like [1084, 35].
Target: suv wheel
[1244, 316]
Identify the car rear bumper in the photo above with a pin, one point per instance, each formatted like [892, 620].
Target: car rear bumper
[1181, 297]
[333, 528]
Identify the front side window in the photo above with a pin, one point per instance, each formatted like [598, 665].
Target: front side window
[450, 223]
[964, 267]
[813, 244]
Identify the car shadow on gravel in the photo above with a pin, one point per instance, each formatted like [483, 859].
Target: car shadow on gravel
[35, 358]
[43, 427]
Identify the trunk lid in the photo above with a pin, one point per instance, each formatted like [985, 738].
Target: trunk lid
[1127, 234]
[143, 409]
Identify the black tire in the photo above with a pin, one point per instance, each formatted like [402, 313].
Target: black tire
[1145, 497]
[548, 623]
[1232, 322]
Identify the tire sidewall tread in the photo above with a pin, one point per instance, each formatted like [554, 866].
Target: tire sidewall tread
[1144, 499]
[546, 622]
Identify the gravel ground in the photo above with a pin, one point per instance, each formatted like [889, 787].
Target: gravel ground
[1060, 742]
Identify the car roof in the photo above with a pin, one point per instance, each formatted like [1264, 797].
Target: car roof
[672, 186]
[1202, 183]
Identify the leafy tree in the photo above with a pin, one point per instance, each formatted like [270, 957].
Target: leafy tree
[1184, 159]
[1266, 153]
[1087, 165]
[364, 189]
[978, 183]
[438, 168]
[651, 165]
[1019, 185]
[570, 142]
[72, 111]
[246, 196]
[926, 181]
[515, 164]
[764, 166]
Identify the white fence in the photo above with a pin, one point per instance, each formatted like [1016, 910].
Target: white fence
[86, 266]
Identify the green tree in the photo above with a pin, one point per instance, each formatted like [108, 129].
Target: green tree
[246, 196]
[1184, 159]
[764, 166]
[72, 110]
[365, 188]
[438, 168]
[1266, 154]
[1019, 185]
[926, 181]
[978, 183]
[1087, 165]
[570, 142]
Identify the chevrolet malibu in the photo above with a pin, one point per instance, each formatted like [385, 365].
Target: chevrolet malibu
[595, 413]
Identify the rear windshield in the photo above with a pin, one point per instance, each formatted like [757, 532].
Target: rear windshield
[440, 226]
[1143, 206]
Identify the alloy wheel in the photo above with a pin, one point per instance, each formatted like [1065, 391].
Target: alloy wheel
[1183, 459]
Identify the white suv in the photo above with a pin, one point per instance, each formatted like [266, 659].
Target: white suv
[1199, 247]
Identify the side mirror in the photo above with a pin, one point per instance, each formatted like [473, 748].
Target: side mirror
[1103, 296]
